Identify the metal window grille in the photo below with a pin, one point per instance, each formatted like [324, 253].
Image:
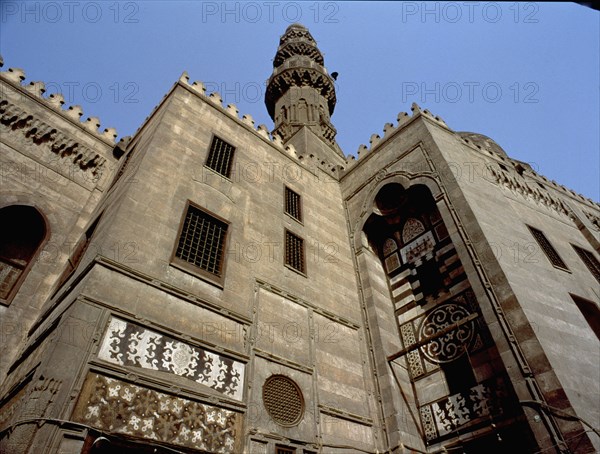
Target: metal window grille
[548, 248]
[284, 450]
[202, 241]
[294, 251]
[292, 204]
[590, 261]
[283, 400]
[220, 157]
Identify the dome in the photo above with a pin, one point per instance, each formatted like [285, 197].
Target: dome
[483, 141]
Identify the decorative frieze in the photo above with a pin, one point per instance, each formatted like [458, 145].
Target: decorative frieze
[57, 141]
[119, 407]
[128, 344]
[519, 186]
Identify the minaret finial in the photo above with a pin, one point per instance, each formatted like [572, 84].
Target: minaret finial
[300, 92]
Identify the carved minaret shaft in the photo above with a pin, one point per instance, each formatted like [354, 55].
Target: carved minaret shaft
[300, 92]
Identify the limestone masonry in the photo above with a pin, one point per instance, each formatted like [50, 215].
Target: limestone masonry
[208, 285]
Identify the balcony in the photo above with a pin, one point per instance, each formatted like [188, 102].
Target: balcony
[465, 411]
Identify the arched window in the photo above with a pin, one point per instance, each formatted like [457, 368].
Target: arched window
[22, 232]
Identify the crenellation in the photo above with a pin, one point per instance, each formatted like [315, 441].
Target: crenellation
[55, 101]
[233, 110]
[199, 88]
[36, 88]
[15, 75]
[110, 134]
[374, 140]
[247, 118]
[261, 130]
[277, 140]
[388, 128]
[215, 98]
[74, 113]
[264, 131]
[402, 118]
[92, 124]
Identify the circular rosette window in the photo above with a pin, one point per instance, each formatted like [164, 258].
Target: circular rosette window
[283, 400]
[451, 331]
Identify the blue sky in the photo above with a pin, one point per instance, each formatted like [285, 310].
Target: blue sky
[525, 74]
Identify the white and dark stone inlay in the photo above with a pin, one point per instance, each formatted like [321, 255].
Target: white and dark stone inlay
[477, 404]
[128, 344]
[120, 407]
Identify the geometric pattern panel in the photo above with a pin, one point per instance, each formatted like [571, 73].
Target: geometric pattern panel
[418, 248]
[283, 400]
[482, 402]
[128, 344]
[452, 345]
[412, 229]
[119, 407]
[447, 341]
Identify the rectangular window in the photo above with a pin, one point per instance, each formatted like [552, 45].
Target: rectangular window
[294, 251]
[548, 248]
[284, 450]
[590, 312]
[293, 205]
[220, 157]
[590, 261]
[77, 253]
[201, 244]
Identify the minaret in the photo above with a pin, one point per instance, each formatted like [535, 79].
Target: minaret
[300, 94]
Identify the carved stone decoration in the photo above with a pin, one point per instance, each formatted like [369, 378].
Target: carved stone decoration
[453, 344]
[595, 220]
[519, 186]
[128, 344]
[35, 400]
[424, 354]
[412, 228]
[389, 246]
[413, 358]
[487, 399]
[58, 142]
[418, 248]
[392, 263]
[120, 407]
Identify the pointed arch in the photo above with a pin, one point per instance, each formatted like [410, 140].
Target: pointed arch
[23, 232]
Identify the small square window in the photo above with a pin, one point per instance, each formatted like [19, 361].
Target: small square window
[293, 204]
[590, 261]
[294, 251]
[220, 157]
[284, 450]
[548, 249]
[201, 244]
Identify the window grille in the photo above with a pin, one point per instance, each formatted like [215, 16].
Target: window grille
[283, 400]
[220, 157]
[548, 248]
[294, 251]
[202, 241]
[284, 450]
[292, 204]
[590, 261]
